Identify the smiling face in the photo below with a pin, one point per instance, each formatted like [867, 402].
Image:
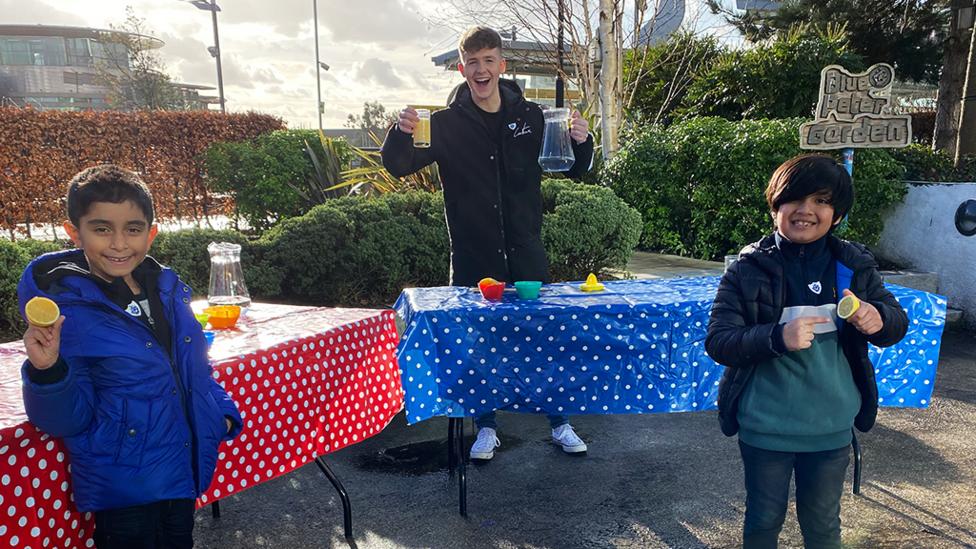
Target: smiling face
[115, 238]
[807, 219]
[481, 70]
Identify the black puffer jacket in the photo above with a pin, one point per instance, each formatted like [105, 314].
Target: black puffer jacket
[749, 304]
[494, 222]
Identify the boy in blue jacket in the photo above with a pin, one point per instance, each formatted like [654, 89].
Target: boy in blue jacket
[798, 378]
[123, 375]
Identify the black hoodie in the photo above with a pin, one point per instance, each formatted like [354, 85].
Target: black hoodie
[492, 190]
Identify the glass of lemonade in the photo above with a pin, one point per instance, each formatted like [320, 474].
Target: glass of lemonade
[421, 134]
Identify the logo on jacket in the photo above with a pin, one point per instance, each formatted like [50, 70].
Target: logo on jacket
[815, 287]
[525, 130]
[133, 309]
[512, 126]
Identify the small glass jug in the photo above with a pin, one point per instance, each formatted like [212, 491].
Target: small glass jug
[226, 276]
[557, 148]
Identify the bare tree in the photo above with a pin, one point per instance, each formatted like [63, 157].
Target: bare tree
[131, 68]
[611, 73]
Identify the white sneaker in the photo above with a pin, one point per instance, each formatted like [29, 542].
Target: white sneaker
[565, 436]
[484, 447]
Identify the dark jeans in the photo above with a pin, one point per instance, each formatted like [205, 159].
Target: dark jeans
[488, 420]
[819, 483]
[161, 525]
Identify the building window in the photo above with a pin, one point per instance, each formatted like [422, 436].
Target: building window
[79, 52]
[45, 50]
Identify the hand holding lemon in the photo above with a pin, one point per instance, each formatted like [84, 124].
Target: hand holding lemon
[861, 314]
[42, 339]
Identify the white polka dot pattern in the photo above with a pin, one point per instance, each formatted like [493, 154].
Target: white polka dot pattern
[636, 348]
[303, 397]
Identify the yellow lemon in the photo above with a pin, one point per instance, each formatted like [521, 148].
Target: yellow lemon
[848, 305]
[41, 311]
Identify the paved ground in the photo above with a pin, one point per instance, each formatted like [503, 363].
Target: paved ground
[662, 480]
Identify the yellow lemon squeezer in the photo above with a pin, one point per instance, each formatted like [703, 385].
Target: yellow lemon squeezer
[591, 284]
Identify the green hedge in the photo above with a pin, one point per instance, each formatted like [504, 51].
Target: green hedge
[14, 257]
[699, 183]
[924, 164]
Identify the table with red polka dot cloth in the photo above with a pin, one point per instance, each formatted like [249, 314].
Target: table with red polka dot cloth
[308, 381]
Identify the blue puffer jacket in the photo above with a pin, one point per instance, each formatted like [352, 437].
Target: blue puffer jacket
[139, 427]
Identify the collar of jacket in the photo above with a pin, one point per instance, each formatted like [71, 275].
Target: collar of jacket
[67, 275]
[768, 256]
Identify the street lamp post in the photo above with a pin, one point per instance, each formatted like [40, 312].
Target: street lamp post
[220, 74]
[318, 64]
[213, 8]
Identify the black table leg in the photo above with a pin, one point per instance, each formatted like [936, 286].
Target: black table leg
[215, 509]
[451, 449]
[857, 463]
[462, 473]
[346, 507]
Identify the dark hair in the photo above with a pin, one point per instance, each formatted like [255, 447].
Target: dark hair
[477, 39]
[106, 183]
[807, 174]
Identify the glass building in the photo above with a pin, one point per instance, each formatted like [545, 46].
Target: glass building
[54, 67]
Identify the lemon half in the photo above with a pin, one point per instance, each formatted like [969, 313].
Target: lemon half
[41, 311]
[848, 305]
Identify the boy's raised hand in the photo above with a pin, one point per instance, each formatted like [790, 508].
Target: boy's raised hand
[866, 319]
[798, 333]
[43, 344]
[408, 120]
[579, 128]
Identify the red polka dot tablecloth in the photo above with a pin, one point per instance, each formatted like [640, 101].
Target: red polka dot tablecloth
[308, 381]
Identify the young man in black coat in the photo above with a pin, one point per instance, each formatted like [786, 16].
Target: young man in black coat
[797, 377]
[486, 145]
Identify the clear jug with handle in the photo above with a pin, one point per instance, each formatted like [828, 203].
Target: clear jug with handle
[557, 148]
[226, 276]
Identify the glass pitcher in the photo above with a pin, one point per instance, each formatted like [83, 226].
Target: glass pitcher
[557, 148]
[226, 276]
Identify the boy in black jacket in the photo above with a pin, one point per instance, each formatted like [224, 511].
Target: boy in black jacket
[797, 377]
[486, 145]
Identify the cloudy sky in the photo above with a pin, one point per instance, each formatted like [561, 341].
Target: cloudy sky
[378, 50]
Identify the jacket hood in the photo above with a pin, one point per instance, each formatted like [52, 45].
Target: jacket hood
[66, 278]
[510, 91]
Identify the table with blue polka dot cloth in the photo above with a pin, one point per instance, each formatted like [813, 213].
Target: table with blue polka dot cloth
[637, 347]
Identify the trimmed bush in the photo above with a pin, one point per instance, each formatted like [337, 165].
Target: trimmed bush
[354, 251]
[586, 229]
[14, 257]
[699, 183]
[271, 176]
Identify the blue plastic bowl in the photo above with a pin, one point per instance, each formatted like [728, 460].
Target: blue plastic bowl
[528, 289]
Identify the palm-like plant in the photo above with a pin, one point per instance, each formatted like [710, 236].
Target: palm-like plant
[371, 178]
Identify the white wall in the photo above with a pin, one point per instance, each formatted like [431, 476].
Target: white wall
[921, 234]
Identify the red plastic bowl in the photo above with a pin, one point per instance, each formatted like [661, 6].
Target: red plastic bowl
[492, 292]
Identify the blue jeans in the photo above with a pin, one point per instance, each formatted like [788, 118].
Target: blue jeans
[819, 483]
[164, 524]
[488, 420]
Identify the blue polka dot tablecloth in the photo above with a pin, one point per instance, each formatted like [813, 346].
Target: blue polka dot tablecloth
[636, 348]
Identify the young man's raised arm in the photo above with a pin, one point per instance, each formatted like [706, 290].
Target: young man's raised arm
[400, 157]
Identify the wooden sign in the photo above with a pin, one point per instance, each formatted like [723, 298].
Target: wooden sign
[853, 112]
